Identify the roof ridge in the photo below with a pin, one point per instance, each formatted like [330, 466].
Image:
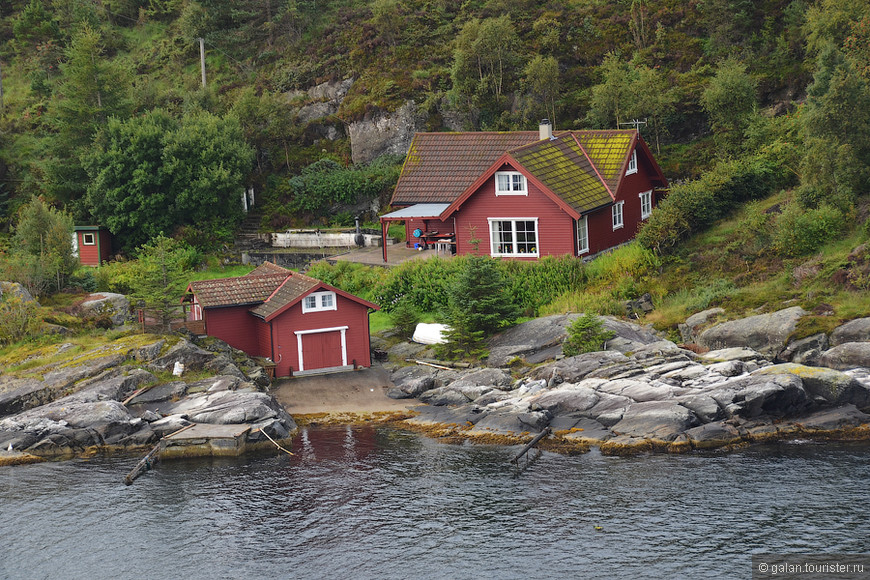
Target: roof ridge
[594, 167]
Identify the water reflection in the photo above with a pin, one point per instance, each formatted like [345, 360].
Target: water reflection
[384, 503]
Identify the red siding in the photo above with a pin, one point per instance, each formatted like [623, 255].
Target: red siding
[555, 227]
[98, 252]
[428, 225]
[348, 313]
[233, 325]
[264, 338]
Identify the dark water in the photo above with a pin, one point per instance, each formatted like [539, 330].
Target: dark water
[383, 503]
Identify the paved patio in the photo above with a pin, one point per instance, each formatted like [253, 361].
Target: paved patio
[396, 254]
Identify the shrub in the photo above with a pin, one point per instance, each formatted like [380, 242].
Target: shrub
[405, 317]
[799, 232]
[585, 334]
[19, 318]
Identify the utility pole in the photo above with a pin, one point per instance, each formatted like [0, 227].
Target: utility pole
[2, 106]
[202, 59]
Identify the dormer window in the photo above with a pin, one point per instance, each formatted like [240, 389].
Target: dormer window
[510, 183]
[318, 301]
[632, 163]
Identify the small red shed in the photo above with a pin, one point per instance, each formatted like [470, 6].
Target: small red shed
[301, 324]
[93, 245]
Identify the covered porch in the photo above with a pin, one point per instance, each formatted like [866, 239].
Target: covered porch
[429, 228]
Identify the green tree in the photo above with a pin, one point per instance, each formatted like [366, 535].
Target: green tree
[42, 246]
[585, 334]
[479, 306]
[153, 174]
[729, 100]
[541, 86]
[163, 270]
[485, 57]
[612, 98]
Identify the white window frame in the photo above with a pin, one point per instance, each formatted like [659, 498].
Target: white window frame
[93, 238]
[322, 301]
[632, 164]
[582, 236]
[493, 242]
[645, 204]
[517, 187]
[618, 215]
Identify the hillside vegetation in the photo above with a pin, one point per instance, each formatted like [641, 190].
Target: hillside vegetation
[758, 112]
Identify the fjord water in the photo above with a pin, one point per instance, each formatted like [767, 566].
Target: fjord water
[385, 503]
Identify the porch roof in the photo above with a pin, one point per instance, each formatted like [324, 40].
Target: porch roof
[418, 210]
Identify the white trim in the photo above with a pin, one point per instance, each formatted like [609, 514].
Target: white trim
[617, 213]
[319, 299]
[632, 164]
[583, 248]
[85, 241]
[645, 204]
[299, 333]
[524, 190]
[514, 220]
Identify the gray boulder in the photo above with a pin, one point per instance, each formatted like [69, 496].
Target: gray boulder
[842, 417]
[510, 422]
[689, 330]
[147, 353]
[662, 420]
[185, 352]
[496, 378]
[806, 351]
[830, 385]
[229, 407]
[16, 289]
[529, 338]
[857, 330]
[765, 333]
[574, 369]
[848, 355]
[712, 435]
[412, 388]
[115, 306]
[568, 398]
[629, 336]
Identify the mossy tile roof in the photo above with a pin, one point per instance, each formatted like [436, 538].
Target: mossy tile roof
[293, 288]
[562, 167]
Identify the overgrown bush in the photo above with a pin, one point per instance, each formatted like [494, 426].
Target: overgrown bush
[585, 334]
[326, 183]
[19, 318]
[691, 207]
[801, 231]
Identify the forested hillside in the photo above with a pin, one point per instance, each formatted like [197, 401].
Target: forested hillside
[104, 112]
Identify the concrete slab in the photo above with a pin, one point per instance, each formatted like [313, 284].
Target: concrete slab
[360, 391]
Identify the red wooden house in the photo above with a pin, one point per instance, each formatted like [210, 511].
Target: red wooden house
[526, 194]
[301, 324]
[94, 245]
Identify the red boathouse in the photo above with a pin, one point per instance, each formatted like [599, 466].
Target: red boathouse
[301, 324]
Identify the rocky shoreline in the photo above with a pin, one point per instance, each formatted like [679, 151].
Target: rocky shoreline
[646, 394]
[642, 394]
[104, 401]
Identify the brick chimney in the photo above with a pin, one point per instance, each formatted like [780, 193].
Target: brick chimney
[545, 129]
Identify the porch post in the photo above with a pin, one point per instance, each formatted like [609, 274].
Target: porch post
[384, 238]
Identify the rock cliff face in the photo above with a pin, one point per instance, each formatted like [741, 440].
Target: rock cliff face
[648, 393]
[384, 133]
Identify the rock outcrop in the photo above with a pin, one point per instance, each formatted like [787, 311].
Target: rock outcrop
[648, 395]
[96, 402]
